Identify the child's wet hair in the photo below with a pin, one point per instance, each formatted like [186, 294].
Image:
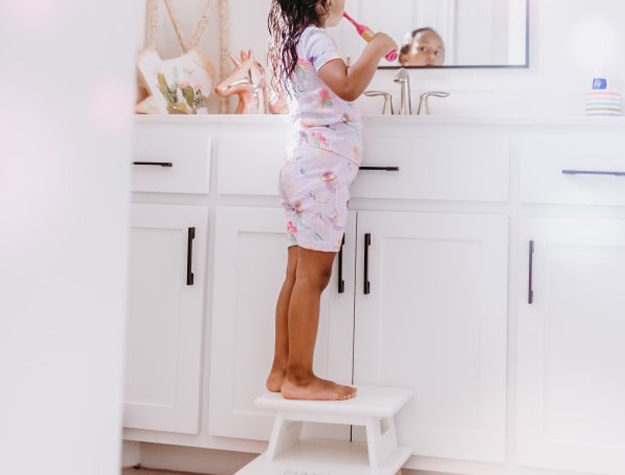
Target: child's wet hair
[287, 20]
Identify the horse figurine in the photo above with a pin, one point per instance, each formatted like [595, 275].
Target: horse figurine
[248, 81]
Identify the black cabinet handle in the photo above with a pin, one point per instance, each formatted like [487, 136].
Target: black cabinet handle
[593, 172]
[341, 282]
[367, 287]
[530, 285]
[154, 164]
[384, 169]
[190, 238]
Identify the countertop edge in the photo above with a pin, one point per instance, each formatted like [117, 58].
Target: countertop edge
[368, 120]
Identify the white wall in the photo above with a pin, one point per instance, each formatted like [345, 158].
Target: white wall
[65, 140]
[571, 41]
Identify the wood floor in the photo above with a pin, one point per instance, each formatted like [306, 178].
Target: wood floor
[147, 471]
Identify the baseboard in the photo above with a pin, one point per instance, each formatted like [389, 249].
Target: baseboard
[197, 460]
[131, 454]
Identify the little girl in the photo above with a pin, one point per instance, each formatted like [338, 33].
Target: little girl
[322, 162]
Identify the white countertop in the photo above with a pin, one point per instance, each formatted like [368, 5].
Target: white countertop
[386, 120]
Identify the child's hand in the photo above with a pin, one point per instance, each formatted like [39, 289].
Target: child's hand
[383, 43]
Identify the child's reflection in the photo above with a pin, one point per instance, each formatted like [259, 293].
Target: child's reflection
[422, 47]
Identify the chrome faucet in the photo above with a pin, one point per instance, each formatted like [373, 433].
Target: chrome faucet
[405, 102]
[423, 108]
[387, 108]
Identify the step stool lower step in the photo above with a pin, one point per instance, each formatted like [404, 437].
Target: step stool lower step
[326, 457]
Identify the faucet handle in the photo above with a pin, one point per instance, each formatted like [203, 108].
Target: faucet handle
[423, 101]
[387, 107]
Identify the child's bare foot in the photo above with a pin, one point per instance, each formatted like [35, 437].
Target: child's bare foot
[316, 389]
[275, 380]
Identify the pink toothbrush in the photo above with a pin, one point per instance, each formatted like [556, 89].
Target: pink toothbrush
[367, 34]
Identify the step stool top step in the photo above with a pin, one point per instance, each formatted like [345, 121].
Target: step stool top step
[370, 401]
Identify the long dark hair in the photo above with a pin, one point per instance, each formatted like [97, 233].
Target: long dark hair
[287, 20]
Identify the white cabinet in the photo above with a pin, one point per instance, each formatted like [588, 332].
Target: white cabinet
[434, 320]
[167, 281]
[570, 383]
[432, 316]
[249, 268]
[588, 169]
[502, 386]
[434, 167]
[165, 317]
[571, 325]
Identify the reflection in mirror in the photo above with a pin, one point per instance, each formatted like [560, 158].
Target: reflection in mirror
[447, 33]
[422, 47]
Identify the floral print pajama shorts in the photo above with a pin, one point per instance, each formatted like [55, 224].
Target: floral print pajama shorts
[314, 186]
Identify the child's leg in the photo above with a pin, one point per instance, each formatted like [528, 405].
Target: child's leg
[313, 273]
[281, 345]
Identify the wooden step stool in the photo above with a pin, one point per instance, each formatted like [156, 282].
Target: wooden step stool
[289, 454]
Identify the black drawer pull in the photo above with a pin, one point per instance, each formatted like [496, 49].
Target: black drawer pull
[367, 284]
[341, 282]
[593, 172]
[154, 164]
[190, 238]
[530, 284]
[384, 169]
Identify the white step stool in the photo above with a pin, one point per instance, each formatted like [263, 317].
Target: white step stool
[373, 407]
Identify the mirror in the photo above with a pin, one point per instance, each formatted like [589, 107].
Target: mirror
[475, 33]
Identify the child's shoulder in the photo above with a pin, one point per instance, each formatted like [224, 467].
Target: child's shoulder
[314, 31]
[313, 34]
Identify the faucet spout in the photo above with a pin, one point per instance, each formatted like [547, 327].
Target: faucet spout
[403, 79]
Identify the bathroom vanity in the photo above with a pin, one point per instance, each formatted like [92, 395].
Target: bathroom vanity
[482, 267]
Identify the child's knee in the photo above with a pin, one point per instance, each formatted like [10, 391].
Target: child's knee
[324, 278]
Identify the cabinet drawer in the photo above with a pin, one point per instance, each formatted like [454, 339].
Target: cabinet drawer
[583, 171]
[434, 169]
[428, 169]
[171, 162]
[250, 165]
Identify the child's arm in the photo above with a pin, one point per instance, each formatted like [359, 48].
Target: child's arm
[350, 83]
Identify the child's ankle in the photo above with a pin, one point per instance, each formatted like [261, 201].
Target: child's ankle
[299, 376]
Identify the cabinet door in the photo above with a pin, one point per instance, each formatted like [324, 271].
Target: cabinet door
[435, 320]
[165, 317]
[249, 267]
[571, 357]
